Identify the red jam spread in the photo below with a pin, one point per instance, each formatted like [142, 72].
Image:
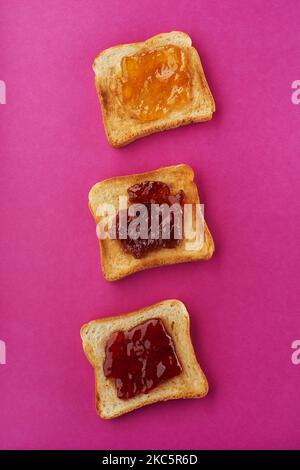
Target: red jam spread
[155, 82]
[147, 193]
[153, 192]
[140, 359]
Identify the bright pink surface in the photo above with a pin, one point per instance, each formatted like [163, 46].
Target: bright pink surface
[244, 303]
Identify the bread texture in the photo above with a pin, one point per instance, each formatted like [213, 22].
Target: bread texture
[190, 383]
[115, 262]
[121, 127]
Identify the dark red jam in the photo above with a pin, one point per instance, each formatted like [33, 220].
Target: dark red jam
[140, 359]
[147, 193]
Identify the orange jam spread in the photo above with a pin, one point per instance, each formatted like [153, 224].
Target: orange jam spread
[155, 82]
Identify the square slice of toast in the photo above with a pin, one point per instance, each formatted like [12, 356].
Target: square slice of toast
[115, 262]
[190, 383]
[121, 126]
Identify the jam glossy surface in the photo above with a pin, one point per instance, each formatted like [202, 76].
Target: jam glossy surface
[141, 358]
[153, 192]
[155, 82]
[147, 193]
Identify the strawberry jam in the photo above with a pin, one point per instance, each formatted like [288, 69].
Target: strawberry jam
[148, 193]
[140, 359]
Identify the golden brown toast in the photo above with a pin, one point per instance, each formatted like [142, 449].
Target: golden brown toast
[115, 262]
[120, 125]
[190, 383]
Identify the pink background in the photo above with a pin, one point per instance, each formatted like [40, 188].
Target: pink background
[244, 303]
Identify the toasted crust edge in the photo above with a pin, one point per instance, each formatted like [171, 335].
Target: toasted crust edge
[172, 396]
[152, 263]
[156, 264]
[139, 43]
[156, 127]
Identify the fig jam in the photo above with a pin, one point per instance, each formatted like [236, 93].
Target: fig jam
[147, 193]
[141, 358]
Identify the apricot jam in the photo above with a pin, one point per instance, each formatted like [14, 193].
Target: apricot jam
[140, 359]
[147, 193]
[155, 82]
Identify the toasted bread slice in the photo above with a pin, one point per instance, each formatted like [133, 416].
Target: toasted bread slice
[190, 383]
[115, 262]
[120, 126]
